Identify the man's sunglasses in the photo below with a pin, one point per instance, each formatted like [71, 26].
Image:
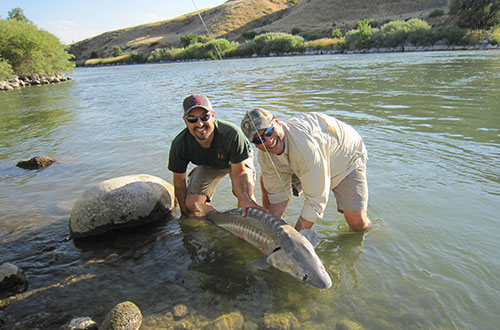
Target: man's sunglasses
[267, 133]
[194, 119]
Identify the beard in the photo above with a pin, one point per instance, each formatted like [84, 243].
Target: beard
[202, 133]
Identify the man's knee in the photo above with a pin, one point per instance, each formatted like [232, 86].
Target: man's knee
[191, 201]
[357, 220]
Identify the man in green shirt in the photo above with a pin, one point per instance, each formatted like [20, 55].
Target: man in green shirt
[218, 148]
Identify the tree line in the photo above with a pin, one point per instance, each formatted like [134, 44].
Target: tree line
[26, 50]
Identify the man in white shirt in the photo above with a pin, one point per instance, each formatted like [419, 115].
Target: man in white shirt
[312, 153]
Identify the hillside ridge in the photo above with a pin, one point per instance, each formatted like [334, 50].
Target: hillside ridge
[235, 17]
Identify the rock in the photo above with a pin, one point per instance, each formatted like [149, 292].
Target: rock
[346, 324]
[280, 321]
[36, 163]
[12, 280]
[80, 323]
[180, 311]
[228, 321]
[120, 202]
[124, 316]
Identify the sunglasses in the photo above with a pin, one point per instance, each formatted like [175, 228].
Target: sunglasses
[267, 133]
[193, 119]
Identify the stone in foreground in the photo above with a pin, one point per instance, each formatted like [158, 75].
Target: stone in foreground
[124, 316]
[121, 202]
[12, 280]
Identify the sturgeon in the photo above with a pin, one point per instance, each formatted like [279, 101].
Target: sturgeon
[285, 248]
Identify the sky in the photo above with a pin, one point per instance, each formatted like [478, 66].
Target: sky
[73, 21]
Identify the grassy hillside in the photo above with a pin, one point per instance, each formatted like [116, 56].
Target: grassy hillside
[235, 17]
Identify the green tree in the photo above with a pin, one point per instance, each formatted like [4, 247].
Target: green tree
[30, 51]
[476, 14]
[5, 69]
[18, 14]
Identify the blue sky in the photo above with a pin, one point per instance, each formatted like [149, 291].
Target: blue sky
[72, 21]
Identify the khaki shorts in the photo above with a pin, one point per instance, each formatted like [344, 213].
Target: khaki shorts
[203, 180]
[351, 193]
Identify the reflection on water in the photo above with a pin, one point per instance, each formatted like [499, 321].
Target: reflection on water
[430, 123]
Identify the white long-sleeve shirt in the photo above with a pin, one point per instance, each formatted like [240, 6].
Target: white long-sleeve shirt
[321, 151]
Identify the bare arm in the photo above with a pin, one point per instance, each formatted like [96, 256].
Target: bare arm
[180, 189]
[242, 187]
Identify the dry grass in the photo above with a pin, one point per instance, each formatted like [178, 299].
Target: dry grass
[324, 43]
[107, 60]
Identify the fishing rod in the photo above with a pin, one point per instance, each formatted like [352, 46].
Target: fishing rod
[206, 28]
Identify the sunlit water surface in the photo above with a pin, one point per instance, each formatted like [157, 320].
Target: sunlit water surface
[431, 125]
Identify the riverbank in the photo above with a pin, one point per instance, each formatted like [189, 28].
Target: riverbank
[408, 47]
[19, 82]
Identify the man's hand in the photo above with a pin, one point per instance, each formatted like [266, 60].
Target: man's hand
[249, 204]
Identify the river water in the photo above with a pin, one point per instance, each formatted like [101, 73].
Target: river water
[431, 125]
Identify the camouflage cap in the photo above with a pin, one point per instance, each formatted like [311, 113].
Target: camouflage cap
[255, 120]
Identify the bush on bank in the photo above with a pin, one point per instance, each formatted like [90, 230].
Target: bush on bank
[26, 51]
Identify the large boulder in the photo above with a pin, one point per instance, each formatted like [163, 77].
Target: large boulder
[120, 202]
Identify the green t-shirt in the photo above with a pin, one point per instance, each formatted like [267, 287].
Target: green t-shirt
[229, 146]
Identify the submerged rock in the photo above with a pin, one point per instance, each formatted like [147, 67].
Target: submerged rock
[124, 316]
[12, 280]
[228, 321]
[120, 202]
[346, 324]
[280, 321]
[80, 323]
[36, 163]
[180, 311]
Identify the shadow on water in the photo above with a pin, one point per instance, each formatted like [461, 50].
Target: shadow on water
[157, 266]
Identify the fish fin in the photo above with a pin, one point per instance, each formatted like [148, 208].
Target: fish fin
[204, 208]
[259, 264]
[311, 236]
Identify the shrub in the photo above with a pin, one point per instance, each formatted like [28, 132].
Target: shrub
[360, 38]
[5, 70]
[93, 54]
[475, 36]
[117, 51]
[310, 36]
[452, 34]
[324, 43]
[249, 35]
[397, 33]
[190, 39]
[436, 13]
[296, 31]
[271, 42]
[336, 33]
[195, 51]
[495, 34]
[164, 54]
[136, 57]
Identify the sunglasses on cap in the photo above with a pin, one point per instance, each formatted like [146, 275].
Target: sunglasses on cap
[193, 119]
[267, 133]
